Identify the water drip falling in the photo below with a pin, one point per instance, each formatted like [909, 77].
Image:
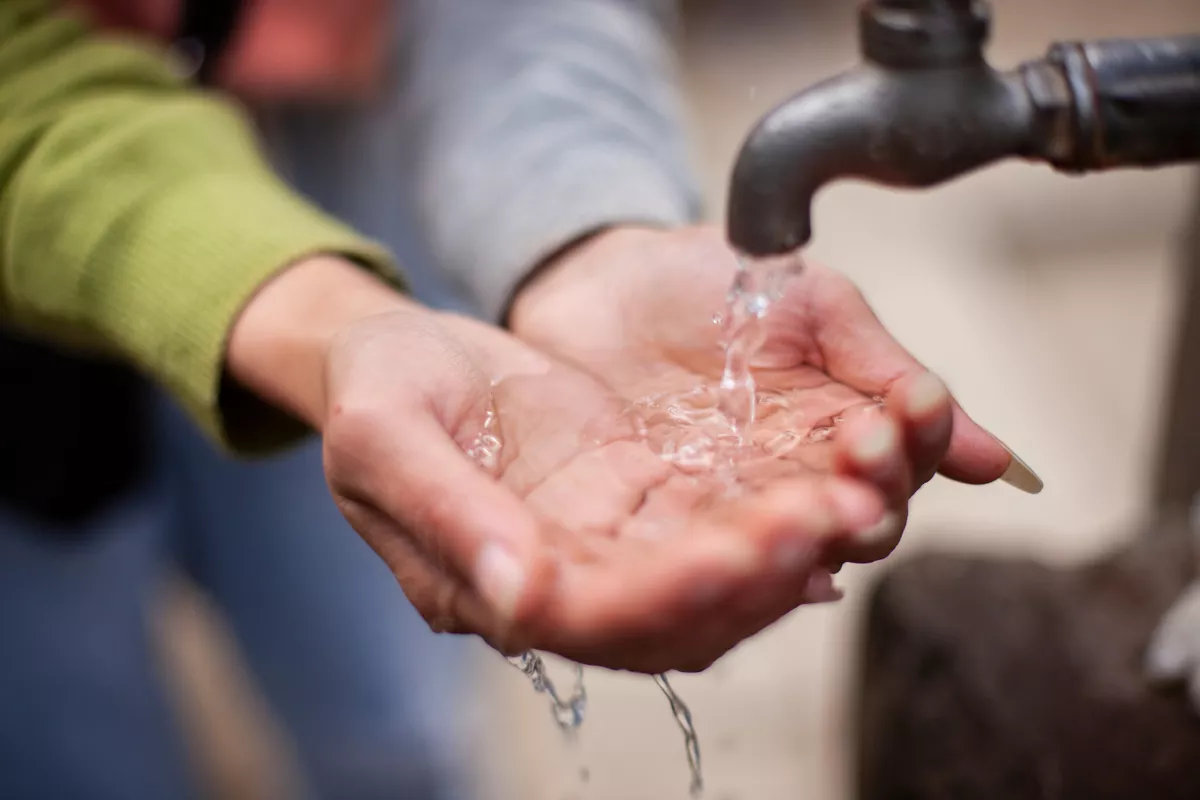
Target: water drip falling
[567, 711]
[691, 742]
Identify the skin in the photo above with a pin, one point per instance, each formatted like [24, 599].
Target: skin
[634, 306]
[580, 540]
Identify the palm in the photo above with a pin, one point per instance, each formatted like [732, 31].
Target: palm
[650, 549]
[638, 311]
[624, 560]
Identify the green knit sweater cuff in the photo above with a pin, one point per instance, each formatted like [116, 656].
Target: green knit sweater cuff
[175, 326]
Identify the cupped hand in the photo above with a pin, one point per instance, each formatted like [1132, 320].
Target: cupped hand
[839, 395]
[573, 537]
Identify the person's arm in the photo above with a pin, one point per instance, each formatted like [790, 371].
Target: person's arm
[137, 214]
[538, 122]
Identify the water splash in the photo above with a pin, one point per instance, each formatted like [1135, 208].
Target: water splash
[567, 711]
[757, 285]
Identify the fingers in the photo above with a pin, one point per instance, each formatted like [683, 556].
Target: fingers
[681, 601]
[922, 407]
[977, 457]
[859, 351]
[974, 456]
[872, 449]
[406, 466]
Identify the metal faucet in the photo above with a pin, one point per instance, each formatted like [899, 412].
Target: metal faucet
[925, 107]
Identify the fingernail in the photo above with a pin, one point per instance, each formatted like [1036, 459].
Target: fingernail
[820, 589]
[878, 444]
[501, 579]
[882, 531]
[925, 395]
[1019, 475]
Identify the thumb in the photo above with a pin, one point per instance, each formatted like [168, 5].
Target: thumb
[457, 514]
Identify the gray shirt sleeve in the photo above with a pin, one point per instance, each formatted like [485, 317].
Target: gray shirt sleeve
[536, 122]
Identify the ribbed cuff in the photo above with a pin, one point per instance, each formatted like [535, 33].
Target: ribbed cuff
[569, 204]
[171, 298]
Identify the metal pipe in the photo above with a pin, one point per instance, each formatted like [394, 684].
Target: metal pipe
[925, 107]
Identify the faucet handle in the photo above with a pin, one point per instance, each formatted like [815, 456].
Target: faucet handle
[916, 34]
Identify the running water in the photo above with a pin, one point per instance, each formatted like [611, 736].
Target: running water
[567, 711]
[758, 284]
[690, 431]
[691, 742]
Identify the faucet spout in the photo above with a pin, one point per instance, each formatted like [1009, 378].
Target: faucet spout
[902, 129]
[925, 107]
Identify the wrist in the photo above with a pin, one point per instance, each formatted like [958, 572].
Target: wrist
[280, 343]
[575, 265]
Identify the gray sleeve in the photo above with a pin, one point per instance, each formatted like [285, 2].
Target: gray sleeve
[536, 122]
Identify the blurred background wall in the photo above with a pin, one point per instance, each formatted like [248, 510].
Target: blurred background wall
[1047, 303]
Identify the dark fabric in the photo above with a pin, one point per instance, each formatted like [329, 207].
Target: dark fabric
[209, 25]
[73, 435]
[995, 679]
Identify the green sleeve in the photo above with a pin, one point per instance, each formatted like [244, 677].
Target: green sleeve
[137, 215]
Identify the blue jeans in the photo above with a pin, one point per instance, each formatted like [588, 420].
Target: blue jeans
[344, 661]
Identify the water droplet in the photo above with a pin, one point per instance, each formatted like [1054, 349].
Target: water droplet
[697, 452]
[782, 444]
[718, 318]
[691, 742]
[822, 433]
[567, 711]
[487, 445]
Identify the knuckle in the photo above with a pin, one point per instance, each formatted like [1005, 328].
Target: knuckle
[353, 424]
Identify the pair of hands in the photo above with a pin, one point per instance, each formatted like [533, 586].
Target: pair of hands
[580, 540]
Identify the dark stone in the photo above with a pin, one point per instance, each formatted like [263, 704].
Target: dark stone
[991, 679]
